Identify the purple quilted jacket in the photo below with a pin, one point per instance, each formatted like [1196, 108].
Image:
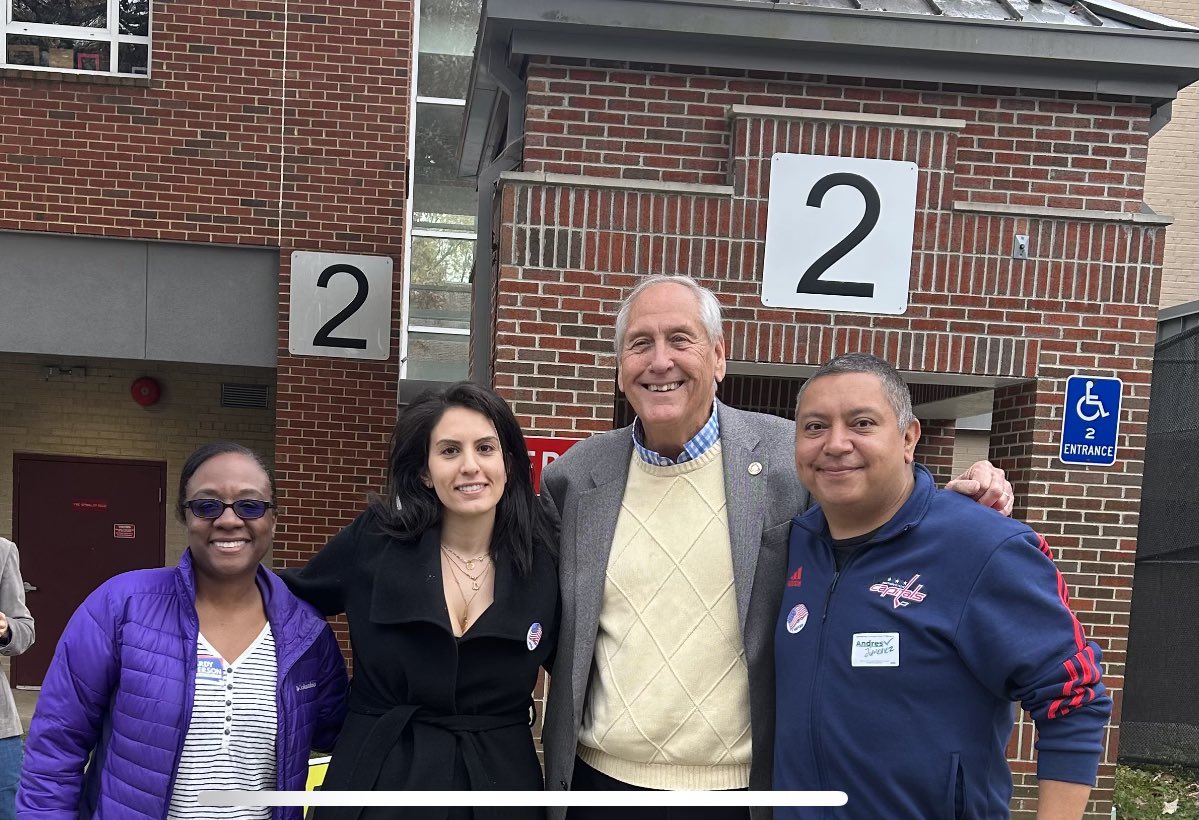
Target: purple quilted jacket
[121, 686]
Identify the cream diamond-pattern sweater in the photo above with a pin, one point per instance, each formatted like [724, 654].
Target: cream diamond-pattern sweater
[668, 703]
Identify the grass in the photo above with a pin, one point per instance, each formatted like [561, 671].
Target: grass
[1157, 791]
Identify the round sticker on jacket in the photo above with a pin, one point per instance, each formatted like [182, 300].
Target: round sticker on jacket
[797, 618]
[534, 636]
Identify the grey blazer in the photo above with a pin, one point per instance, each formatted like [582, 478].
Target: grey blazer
[12, 604]
[582, 491]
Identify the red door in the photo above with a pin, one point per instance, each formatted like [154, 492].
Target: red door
[78, 522]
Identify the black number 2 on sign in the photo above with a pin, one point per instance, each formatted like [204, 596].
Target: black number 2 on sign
[839, 234]
[340, 305]
[323, 336]
[811, 282]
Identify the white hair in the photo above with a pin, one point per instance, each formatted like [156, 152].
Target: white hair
[709, 307]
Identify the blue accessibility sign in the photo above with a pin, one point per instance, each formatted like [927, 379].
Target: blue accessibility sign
[1091, 420]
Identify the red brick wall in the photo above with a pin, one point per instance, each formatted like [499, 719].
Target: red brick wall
[1065, 150]
[255, 129]
[935, 449]
[1084, 300]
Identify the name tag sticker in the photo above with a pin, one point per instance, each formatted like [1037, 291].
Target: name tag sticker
[209, 667]
[875, 649]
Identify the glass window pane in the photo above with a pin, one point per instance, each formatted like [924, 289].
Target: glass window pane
[89, 13]
[443, 75]
[133, 58]
[440, 261]
[440, 306]
[438, 128]
[53, 52]
[135, 17]
[437, 357]
[449, 26]
[449, 207]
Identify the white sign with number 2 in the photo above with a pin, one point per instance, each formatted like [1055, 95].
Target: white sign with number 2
[340, 305]
[839, 234]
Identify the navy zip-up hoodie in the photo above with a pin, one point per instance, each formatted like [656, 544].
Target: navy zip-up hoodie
[896, 676]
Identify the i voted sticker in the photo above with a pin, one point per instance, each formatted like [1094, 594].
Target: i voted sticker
[875, 649]
[209, 667]
[534, 636]
[797, 618]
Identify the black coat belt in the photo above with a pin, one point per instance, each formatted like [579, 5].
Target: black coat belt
[441, 734]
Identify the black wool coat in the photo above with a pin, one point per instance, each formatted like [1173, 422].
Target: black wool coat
[428, 710]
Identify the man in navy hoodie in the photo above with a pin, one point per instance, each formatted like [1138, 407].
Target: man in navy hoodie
[912, 619]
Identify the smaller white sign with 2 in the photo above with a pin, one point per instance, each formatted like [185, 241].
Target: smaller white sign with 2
[340, 305]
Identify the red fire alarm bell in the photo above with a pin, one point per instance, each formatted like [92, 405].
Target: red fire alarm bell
[145, 391]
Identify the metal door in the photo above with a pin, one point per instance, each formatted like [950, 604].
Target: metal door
[78, 522]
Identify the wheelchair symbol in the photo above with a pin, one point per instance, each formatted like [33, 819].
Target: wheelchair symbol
[1089, 400]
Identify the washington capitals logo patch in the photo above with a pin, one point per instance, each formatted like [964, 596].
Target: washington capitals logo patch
[902, 593]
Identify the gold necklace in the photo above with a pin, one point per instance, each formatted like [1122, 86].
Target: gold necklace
[474, 579]
[466, 602]
[469, 563]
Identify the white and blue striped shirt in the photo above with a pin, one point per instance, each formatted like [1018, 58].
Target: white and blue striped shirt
[230, 741]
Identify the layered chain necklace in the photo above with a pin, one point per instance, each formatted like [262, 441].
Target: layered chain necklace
[468, 564]
[465, 566]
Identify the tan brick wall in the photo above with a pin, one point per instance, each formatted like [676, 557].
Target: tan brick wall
[969, 446]
[95, 416]
[1172, 180]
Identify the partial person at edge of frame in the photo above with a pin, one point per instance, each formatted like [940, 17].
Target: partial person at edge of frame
[701, 639]
[942, 614]
[208, 675]
[450, 589]
[16, 636]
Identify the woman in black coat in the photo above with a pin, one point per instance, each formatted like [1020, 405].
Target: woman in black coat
[451, 594]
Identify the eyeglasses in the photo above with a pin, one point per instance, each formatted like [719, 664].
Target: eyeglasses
[247, 509]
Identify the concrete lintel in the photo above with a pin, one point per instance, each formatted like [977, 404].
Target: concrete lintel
[583, 181]
[892, 120]
[1038, 212]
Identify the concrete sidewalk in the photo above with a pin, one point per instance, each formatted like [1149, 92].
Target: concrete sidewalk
[26, 700]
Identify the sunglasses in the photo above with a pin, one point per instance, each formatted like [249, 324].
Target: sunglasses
[247, 509]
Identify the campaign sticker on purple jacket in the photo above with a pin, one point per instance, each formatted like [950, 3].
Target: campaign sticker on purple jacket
[534, 636]
[797, 618]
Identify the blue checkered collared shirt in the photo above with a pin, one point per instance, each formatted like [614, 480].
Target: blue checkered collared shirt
[699, 444]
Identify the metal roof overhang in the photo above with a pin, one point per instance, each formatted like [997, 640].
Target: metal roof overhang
[762, 35]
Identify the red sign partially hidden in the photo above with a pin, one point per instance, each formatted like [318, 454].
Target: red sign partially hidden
[544, 450]
[124, 531]
[89, 504]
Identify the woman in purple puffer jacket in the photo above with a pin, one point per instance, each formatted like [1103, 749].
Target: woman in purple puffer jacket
[207, 676]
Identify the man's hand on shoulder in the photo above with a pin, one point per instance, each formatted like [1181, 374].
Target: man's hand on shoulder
[986, 484]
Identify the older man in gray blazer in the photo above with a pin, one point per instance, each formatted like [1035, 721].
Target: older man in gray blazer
[673, 555]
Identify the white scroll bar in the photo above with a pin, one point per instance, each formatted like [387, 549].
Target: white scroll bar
[523, 798]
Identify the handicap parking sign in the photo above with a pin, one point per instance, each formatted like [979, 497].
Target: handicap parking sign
[1091, 420]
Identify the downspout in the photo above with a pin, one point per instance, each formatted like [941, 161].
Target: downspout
[482, 320]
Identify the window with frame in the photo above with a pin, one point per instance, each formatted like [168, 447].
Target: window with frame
[441, 226]
[92, 36]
